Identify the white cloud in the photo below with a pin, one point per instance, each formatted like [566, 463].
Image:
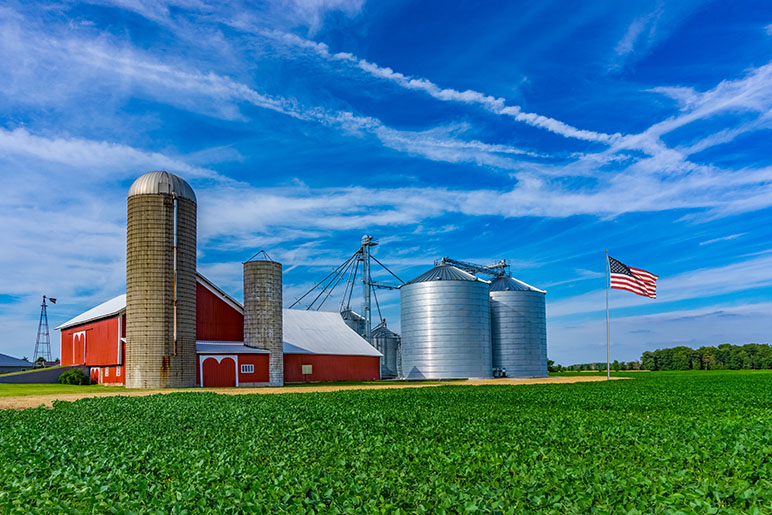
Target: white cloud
[642, 27]
[722, 238]
[490, 103]
[220, 96]
[92, 156]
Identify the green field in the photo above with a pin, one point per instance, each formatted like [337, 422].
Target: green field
[16, 390]
[663, 442]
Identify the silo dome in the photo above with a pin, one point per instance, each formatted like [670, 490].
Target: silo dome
[518, 328]
[445, 325]
[162, 182]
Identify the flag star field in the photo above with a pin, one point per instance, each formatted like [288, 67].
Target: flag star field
[541, 132]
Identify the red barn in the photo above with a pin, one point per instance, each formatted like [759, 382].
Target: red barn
[317, 346]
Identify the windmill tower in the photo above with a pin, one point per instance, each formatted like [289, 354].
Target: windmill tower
[43, 341]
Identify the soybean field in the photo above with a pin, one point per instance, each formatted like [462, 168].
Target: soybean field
[693, 442]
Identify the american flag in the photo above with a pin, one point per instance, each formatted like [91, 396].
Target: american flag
[638, 281]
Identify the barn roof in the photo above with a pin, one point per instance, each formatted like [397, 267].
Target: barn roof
[319, 332]
[10, 361]
[106, 309]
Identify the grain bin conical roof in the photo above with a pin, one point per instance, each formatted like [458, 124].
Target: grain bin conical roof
[512, 284]
[443, 273]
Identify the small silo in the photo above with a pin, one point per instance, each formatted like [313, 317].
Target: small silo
[263, 315]
[387, 343]
[445, 325]
[161, 283]
[354, 320]
[518, 328]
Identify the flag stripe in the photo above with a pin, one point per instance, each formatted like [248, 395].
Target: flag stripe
[627, 283]
[644, 273]
[635, 280]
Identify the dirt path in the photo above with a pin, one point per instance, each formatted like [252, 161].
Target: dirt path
[34, 401]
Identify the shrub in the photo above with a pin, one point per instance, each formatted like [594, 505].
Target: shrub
[74, 376]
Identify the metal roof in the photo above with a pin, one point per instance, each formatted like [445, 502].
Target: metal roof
[203, 347]
[104, 310]
[162, 182]
[320, 332]
[512, 284]
[10, 361]
[381, 331]
[444, 273]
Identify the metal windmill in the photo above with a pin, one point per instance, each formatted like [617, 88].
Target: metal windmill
[43, 341]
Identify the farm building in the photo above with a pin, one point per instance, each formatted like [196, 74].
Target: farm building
[317, 346]
[11, 364]
[175, 328]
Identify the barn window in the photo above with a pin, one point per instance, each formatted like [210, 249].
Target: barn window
[118, 371]
[107, 372]
[307, 369]
[247, 369]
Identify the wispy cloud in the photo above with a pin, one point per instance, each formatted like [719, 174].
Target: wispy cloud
[221, 96]
[494, 105]
[723, 238]
[641, 27]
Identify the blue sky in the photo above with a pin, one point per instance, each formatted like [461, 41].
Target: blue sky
[540, 132]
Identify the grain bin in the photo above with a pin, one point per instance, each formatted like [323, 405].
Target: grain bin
[161, 283]
[354, 320]
[445, 325]
[263, 314]
[387, 343]
[518, 328]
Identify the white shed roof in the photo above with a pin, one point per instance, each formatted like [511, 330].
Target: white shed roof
[319, 332]
[106, 309]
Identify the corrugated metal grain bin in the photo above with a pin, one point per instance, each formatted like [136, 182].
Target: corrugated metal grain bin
[518, 328]
[387, 343]
[445, 325]
[354, 320]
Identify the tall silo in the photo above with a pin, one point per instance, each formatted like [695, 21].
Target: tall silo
[161, 283]
[445, 325]
[387, 343]
[518, 328]
[263, 315]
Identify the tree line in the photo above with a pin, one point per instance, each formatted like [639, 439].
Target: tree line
[725, 356]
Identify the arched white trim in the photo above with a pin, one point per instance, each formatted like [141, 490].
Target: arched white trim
[219, 358]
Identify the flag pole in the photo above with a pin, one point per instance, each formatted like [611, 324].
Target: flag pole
[608, 325]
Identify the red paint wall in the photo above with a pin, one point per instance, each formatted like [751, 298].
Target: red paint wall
[101, 344]
[260, 375]
[328, 367]
[216, 320]
[110, 375]
[260, 361]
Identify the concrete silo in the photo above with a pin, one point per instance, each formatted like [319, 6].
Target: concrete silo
[161, 283]
[387, 342]
[445, 319]
[518, 328]
[263, 313]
